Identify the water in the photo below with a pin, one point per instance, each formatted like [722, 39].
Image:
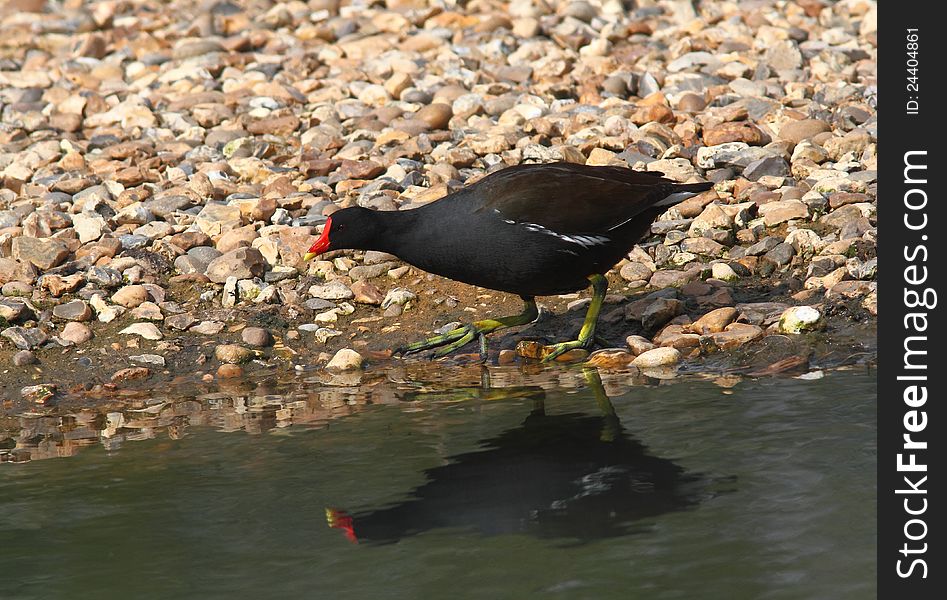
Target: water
[542, 486]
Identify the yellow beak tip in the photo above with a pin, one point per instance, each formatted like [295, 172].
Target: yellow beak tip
[309, 256]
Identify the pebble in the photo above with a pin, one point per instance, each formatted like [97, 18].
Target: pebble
[723, 272]
[657, 357]
[232, 354]
[207, 327]
[25, 339]
[77, 333]
[130, 296]
[736, 335]
[398, 297]
[799, 319]
[148, 359]
[242, 263]
[345, 359]
[146, 330]
[715, 321]
[610, 358]
[228, 371]
[75, 310]
[333, 290]
[256, 337]
[638, 344]
[130, 374]
[24, 358]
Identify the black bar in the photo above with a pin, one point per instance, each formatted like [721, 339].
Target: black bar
[910, 329]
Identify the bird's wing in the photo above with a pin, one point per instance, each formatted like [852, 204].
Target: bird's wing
[569, 198]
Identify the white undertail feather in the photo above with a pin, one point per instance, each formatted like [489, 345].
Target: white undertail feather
[671, 200]
[675, 198]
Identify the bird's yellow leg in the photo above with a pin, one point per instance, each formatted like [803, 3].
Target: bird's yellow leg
[454, 339]
[587, 333]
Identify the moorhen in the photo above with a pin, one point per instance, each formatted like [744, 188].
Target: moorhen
[531, 230]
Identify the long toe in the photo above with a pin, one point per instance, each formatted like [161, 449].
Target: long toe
[556, 350]
[466, 339]
[434, 342]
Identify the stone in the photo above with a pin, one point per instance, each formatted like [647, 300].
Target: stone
[44, 253]
[236, 238]
[635, 271]
[13, 310]
[741, 131]
[802, 129]
[232, 354]
[333, 290]
[435, 116]
[228, 371]
[639, 344]
[25, 339]
[256, 337]
[148, 359]
[398, 297]
[735, 335]
[43, 393]
[770, 166]
[703, 246]
[105, 312]
[242, 263]
[712, 217]
[148, 311]
[130, 296]
[669, 278]
[146, 330]
[781, 254]
[610, 358]
[783, 56]
[367, 293]
[181, 322]
[75, 310]
[781, 211]
[345, 359]
[715, 321]
[104, 277]
[657, 357]
[208, 327]
[723, 272]
[24, 358]
[660, 312]
[799, 319]
[130, 374]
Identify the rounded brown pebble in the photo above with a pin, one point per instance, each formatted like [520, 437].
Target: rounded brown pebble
[76, 332]
[436, 115]
[229, 371]
[691, 103]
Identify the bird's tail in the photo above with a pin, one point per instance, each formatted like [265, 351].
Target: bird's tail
[683, 191]
[695, 188]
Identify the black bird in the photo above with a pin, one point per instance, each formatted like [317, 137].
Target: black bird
[531, 230]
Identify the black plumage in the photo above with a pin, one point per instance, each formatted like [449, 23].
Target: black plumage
[531, 230]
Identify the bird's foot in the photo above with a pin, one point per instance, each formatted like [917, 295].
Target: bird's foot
[554, 351]
[447, 342]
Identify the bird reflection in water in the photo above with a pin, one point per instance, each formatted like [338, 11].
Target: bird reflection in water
[573, 476]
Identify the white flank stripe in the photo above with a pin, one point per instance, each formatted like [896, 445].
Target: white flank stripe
[582, 240]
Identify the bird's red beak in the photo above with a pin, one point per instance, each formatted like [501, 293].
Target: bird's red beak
[322, 244]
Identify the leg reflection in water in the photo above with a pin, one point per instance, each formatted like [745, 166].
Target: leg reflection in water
[576, 477]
